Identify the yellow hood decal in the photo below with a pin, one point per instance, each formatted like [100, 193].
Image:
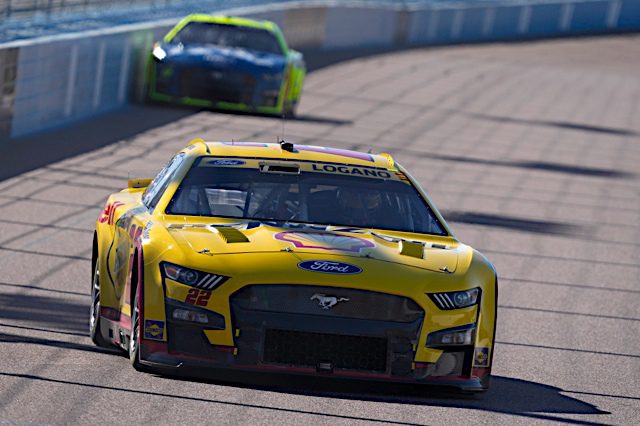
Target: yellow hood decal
[344, 242]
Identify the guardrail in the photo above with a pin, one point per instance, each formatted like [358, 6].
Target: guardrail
[52, 9]
[27, 9]
[56, 80]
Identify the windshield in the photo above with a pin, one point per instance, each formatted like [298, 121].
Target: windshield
[228, 36]
[308, 197]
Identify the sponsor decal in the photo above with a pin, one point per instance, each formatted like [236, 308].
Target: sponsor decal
[109, 212]
[328, 302]
[329, 267]
[481, 357]
[147, 230]
[154, 330]
[226, 162]
[325, 241]
[135, 231]
[350, 170]
[403, 178]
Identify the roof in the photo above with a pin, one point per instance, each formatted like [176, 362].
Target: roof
[300, 152]
[231, 20]
[227, 20]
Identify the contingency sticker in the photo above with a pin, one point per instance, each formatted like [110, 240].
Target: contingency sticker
[481, 357]
[154, 330]
[403, 178]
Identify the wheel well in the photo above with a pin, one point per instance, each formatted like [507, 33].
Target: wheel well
[94, 255]
[134, 277]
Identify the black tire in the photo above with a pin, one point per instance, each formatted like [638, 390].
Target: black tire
[134, 338]
[94, 311]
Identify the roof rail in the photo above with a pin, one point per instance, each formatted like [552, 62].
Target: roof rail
[389, 158]
[199, 140]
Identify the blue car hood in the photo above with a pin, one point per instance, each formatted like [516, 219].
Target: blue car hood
[225, 58]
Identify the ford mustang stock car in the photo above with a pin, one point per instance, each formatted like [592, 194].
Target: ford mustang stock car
[290, 258]
[227, 63]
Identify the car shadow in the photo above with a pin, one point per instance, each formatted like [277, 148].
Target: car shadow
[506, 395]
[41, 313]
[44, 313]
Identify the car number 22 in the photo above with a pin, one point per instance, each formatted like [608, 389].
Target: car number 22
[197, 297]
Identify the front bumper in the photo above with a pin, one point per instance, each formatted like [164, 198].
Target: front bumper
[210, 88]
[277, 328]
[157, 356]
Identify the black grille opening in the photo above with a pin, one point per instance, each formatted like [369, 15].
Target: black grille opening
[308, 349]
[298, 299]
[189, 340]
[223, 86]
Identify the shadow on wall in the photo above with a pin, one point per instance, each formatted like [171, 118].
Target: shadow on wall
[34, 151]
[31, 152]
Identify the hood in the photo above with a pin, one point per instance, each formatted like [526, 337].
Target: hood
[220, 57]
[422, 251]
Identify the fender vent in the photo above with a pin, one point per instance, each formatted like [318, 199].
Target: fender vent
[232, 235]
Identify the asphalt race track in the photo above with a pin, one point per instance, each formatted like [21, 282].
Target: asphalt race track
[532, 151]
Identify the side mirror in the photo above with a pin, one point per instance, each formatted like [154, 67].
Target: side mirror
[139, 183]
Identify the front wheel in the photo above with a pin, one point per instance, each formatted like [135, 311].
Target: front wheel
[94, 314]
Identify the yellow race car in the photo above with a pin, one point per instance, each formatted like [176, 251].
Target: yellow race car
[293, 259]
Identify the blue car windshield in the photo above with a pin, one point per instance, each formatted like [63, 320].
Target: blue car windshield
[307, 197]
[225, 35]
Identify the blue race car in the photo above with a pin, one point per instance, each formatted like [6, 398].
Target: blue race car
[228, 63]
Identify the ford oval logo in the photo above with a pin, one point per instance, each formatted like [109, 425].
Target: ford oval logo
[329, 267]
[226, 162]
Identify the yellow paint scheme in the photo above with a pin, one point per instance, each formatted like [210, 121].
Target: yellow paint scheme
[265, 260]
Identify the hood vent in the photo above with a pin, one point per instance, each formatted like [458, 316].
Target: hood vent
[411, 248]
[232, 235]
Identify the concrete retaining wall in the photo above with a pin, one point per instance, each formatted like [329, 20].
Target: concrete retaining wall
[53, 81]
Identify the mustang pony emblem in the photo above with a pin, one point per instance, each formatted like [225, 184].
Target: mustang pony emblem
[328, 302]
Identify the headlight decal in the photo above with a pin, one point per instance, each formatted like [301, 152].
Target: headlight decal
[456, 299]
[191, 277]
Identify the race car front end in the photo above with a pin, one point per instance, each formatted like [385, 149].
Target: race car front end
[220, 80]
[226, 63]
[373, 314]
